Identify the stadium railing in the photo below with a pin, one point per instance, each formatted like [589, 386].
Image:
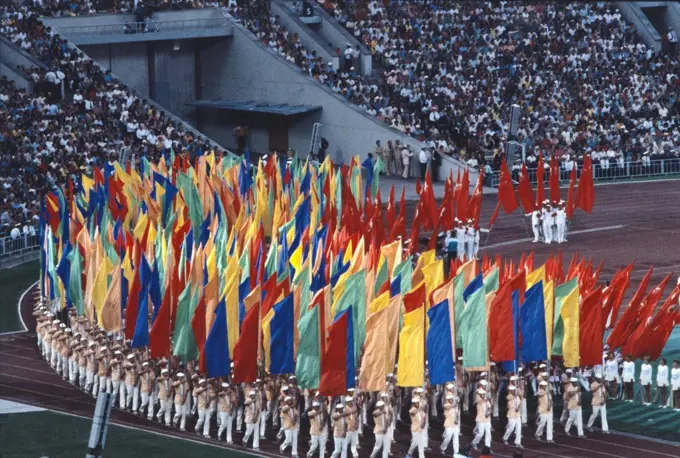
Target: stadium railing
[13, 249]
[149, 26]
[657, 168]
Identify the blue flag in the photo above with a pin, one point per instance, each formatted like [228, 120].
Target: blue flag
[141, 335]
[282, 332]
[395, 286]
[532, 325]
[439, 346]
[216, 349]
[155, 291]
[511, 366]
[243, 291]
[474, 285]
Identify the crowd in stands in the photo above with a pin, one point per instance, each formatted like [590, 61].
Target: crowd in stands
[77, 116]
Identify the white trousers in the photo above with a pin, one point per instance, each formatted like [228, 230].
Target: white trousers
[291, 440]
[82, 376]
[514, 426]
[203, 421]
[417, 441]
[523, 411]
[382, 441]
[164, 413]
[318, 442]
[340, 447]
[353, 442]
[181, 411]
[575, 416]
[253, 430]
[73, 371]
[547, 232]
[560, 232]
[537, 233]
[545, 421]
[131, 396]
[483, 429]
[115, 390]
[90, 383]
[451, 434]
[602, 410]
[147, 401]
[104, 384]
[226, 423]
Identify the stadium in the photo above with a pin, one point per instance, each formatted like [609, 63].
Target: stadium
[366, 227]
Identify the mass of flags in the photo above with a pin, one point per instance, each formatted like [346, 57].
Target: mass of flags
[292, 268]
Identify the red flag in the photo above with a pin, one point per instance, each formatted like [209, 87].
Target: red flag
[462, 197]
[625, 326]
[590, 329]
[540, 185]
[495, 214]
[554, 180]
[506, 193]
[391, 211]
[501, 335]
[585, 193]
[475, 207]
[519, 282]
[415, 232]
[524, 191]
[159, 334]
[645, 313]
[570, 195]
[334, 363]
[656, 334]
[415, 298]
[133, 297]
[616, 291]
[429, 204]
[245, 350]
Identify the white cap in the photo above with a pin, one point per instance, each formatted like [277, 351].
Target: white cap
[449, 396]
[131, 356]
[145, 364]
[225, 385]
[258, 380]
[284, 388]
[598, 375]
[573, 380]
[292, 377]
[419, 390]
[68, 329]
[349, 399]
[339, 406]
[164, 371]
[55, 321]
[481, 391]
[231, 365]
[414, 400]
[543, 383]
[483, 382]
[201, 381]
[568, 371]
[542, 366]
[102, 348]
[180, 374]
[449, 386]
[483, 374]
[350, 390]
[512, 387]
[513, 378]
[253, 393]
[379, 404]
[92, 344]
[117, 352]
[460, 358]
[544, 374]
[492, 363]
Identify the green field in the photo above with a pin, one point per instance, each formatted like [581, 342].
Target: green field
[14, 281]
[55, 435]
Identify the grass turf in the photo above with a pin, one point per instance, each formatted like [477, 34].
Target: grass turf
[55, 435]
[14, 282]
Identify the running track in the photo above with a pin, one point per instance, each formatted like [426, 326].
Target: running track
[642, 220]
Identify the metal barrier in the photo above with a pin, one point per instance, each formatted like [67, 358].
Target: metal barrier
[629, 170]
[13, 248]
[149, 26]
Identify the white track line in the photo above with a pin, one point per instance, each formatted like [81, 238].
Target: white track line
[2, 363]
[582, 231]
[21, 299]
[622, 446]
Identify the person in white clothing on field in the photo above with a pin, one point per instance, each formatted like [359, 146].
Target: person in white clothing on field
[675, 384]
[646, 381]
[574, 406]
[536, 225]
[661, 397]
[547, 220]
[461, 238]
[451, 424]
[418, 419]
[628, 376]
[611, 374]
[561, 222]
[514, 420]
[483, 419]
[545, 412]
[599, 404]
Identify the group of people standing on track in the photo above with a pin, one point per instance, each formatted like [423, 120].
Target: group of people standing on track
[549, 223]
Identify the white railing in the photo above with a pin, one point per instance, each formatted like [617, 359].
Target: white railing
[656, 168]
[12, 248]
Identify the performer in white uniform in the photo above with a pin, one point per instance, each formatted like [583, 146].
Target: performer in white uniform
[661, 397]
[628, 379]
[536, 225]
[611, 375]
[675, 384]
[561, 222]
[646, 381]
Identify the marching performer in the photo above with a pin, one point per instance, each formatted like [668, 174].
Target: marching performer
[181, 389]
[545, 413]
[483, 419]
[514, 420]
[147, 379]
[628, 376]
[339, 432]
[382, 420]
[226, 408]
[611, 377]
[661, 396]
[646, 381]
[201, 394]
[536, 225]
[451, 423]
[164, 397]
[317, 422]
[417, 428]
[599, 404]
[290, 426]
[352, 416]
[252, 414]
[130, 390]
[574, 408]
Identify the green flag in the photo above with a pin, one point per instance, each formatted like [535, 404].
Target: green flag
[491, 281]
[459, 305]
[378, 168]
[561, 292]
[354, 295]
[308, 360]
[475, 349]
[183, 344]
[75, 290]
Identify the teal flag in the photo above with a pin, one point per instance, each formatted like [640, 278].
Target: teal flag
[459, 305]
[308, 360]
[475, 340]
[491, 281]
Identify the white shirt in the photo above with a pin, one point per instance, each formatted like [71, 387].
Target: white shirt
[662, 375]
[646, 374]
[628, 371]
[611, 370]
[422, 157]
[675, 378]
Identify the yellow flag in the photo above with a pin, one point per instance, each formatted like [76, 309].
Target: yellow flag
[379, 303]
[434, 276]
[411, 368]
[392, 336]
[536, 276]
[373, 368]
[231, 283]
[549, 301]
[109, 317]
[140, 228]
[267, 338]
[392, 253]
[99, 287]
[88, 184]
[469, 270]
[570, 319]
